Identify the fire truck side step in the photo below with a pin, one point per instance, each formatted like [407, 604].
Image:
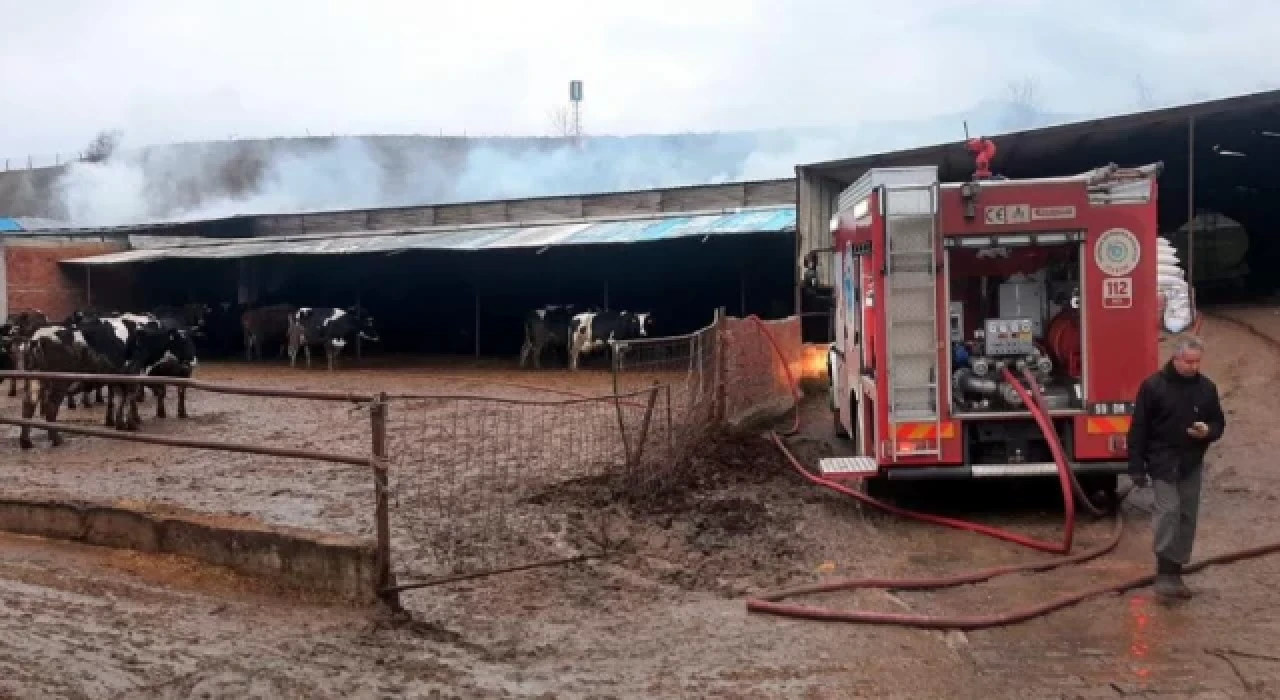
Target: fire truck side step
[1021, 469]
[847, 466]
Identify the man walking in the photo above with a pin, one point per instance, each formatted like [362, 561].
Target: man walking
[1176, 416]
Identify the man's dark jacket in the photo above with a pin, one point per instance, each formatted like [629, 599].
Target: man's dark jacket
[1166, 406]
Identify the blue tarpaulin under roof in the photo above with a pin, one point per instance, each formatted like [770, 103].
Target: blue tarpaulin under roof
[31, 224]
[764, 220]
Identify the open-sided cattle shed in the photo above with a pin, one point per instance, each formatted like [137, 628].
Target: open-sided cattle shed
[1217, 156]
[464, 288]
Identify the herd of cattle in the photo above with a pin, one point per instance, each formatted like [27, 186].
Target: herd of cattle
[164, 343]
[578, 333]
[161, 343]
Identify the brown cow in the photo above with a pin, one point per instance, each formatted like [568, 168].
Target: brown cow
[266, 323]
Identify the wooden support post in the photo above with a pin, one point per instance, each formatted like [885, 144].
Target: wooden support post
[721, 369]
[382, 507]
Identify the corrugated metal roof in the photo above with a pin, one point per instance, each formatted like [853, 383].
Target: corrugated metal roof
[474, 238]
[681, 199]
[1034, 144]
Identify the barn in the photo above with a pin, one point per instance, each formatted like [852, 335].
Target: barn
[444, 279]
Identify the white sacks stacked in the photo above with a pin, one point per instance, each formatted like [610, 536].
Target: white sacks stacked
[1172, 285]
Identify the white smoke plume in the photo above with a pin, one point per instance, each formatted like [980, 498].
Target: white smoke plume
[210, 180]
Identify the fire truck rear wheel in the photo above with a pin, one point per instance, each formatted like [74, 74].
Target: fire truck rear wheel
[1104, 484]
[878, 488]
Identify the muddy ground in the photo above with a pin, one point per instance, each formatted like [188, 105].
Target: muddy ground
[664, 615]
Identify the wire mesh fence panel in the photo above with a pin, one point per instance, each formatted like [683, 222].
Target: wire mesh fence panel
[483, 484]
[685, 371]
[480, 484]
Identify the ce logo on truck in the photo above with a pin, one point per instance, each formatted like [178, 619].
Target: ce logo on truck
[1116, 252]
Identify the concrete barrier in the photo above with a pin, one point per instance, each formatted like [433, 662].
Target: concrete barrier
[332, 565]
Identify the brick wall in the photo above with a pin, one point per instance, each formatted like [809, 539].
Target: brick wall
[35, 280]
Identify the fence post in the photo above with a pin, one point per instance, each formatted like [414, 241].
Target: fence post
[617, 350]
[644, 424]
[382, 507]
[671, 439]
[722, 369]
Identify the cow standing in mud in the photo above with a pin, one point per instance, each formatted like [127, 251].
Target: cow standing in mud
[169, 353]
[14, 336]
[328, 327]
[591, 331]
[57, 348]
[266, 324]
[547, 327]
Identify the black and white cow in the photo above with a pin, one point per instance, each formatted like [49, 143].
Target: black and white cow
[89, 392]
[547, 327]
[124, 323]
[11, 352]
[328, 327]
[163, 352]
[14, 335]
[591, 331]
[128, 344]
[54, 348]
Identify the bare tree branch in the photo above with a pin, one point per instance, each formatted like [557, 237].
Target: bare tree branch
[1025, 92]
[1142, 93]
[1024, 104]
[561, 122]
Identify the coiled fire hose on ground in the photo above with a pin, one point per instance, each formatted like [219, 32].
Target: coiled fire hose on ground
[769, 602]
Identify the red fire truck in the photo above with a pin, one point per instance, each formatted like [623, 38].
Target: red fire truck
[940, 286]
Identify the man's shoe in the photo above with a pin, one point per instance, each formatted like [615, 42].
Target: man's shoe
[1169, 580]
[1165, 586]
[1179, 588]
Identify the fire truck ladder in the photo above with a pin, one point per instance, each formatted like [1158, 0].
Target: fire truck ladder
[912, 310]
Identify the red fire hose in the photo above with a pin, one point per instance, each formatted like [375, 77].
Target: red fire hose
[769, 602]
[1064, 474]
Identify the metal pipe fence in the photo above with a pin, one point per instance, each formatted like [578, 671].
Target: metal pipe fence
[374, 459]
[470, 485]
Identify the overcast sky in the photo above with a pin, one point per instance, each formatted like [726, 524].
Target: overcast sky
[173, 71]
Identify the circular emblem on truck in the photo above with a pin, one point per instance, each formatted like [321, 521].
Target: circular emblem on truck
[1117, 251]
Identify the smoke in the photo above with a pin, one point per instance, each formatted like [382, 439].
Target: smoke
[211, 180]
